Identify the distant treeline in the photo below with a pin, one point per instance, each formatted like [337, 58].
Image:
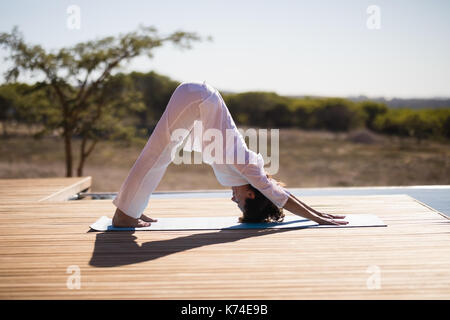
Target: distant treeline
[29, 104]
[267, 109]
[413, 103]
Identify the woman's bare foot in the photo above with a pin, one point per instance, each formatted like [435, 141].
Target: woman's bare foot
[121, 220]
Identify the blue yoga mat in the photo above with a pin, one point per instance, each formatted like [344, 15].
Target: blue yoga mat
[218, 223]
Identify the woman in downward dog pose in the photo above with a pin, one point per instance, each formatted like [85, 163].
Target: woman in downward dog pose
[259, 197]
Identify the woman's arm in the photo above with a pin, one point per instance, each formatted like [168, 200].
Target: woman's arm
[323, 215]
[299, 208]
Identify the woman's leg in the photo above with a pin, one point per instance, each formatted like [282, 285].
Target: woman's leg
[148, 170]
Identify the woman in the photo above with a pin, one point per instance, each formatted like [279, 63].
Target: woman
[259, 197]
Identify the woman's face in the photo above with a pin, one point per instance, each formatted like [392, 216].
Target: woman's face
[240, 193]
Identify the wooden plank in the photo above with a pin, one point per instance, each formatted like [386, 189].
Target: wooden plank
[42, 189]
[40, 240]
[83, 183]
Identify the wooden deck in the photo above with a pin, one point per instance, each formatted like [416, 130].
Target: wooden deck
[40, 239]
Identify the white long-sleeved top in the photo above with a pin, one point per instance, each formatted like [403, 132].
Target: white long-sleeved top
[191, 102]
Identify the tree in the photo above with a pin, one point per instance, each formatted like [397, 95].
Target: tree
[156, 91]
[304, 110]
[8, 103]
[103, 120]
[337, 115]
[372, 109]
[252, 106]
[22, 103]
[78, 76]
[279, 116]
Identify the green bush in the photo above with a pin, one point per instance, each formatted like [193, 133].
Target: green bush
[419, 124]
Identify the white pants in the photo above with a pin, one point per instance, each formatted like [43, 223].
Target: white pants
[148, 170]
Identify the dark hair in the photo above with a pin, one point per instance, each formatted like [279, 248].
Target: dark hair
[261, 209]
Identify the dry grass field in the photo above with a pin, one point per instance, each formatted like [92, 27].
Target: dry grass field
[307, 159]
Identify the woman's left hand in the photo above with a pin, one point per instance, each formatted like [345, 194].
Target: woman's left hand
[330, 219]
[329, 216]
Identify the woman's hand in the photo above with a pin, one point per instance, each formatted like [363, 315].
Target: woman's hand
[329, 216]
[329, 219]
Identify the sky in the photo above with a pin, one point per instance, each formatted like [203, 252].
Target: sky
[321, 47]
